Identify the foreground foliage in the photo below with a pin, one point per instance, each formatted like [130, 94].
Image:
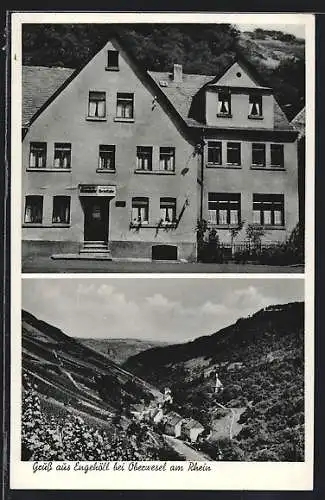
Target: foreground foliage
[69, 437]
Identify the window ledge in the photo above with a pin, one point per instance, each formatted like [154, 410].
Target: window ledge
[155, 172]
[31, 169]
[253, 117]
[255, 167]
[279, 228]
[221, 115]
[45, 226]
[124, 120]
[112, 68]
[172, 225]
[227, 166]
[96, 119]
[223, 226]
[106, 171]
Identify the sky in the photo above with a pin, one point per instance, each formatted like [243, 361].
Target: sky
[295, 29]
[169, 309]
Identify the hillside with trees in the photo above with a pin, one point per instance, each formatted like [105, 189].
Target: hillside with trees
[201, 48]
[119, 350]
[260, 361]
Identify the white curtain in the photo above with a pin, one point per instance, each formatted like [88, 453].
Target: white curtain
[101, 108]
[267, 217]
[277, 217]
[233, 217]
[256, 216]
[92, 108]
[223, 217]
[212, 216]
[32, 160]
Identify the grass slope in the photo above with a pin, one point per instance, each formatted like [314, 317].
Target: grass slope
[71, 373]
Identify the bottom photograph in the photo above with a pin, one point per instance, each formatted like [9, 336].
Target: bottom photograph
[188, 369]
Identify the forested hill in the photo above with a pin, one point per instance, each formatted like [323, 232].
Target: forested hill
[260, 361]
[201, 48]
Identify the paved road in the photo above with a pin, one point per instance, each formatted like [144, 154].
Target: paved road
[47, 265]
[185, 450]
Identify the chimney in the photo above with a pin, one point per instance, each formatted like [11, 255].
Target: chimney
[178, 73]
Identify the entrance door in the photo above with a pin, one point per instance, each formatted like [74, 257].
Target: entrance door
[96, 219]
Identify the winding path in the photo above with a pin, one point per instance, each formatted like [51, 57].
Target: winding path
[184, 450]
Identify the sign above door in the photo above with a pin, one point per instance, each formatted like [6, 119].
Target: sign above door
[97, 190]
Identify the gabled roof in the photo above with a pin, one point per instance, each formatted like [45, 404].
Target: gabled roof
[299, 122]
[192, 424]
[39, 83]
[181, 94]
[173, 418]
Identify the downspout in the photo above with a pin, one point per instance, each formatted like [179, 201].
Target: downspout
[202, 175]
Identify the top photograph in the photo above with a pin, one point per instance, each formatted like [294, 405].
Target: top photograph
[153, 148]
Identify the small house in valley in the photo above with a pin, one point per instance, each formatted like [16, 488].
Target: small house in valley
[191, 430]
[173, 424]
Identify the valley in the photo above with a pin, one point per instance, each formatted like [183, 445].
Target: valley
[162, 403]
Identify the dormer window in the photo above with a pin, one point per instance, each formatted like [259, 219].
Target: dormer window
[255, 106]
[224, 103]
[112, 60]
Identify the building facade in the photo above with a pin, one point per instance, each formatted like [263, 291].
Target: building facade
[121, 163]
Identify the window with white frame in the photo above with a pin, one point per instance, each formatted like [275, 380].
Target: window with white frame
[268, 209]
[61, 210]
[168, 210]
[258, 154]
[112, 59]
[140, 210]
[277, 156]
[255, 106]
[167, 159]
[233, 153]
[97, 104]
[33, 209]
[215, 152]
[224, 103]
[124, 105]
[224, 208]
[144, 158]
[106, 157]
[37, 155]
[62, 155]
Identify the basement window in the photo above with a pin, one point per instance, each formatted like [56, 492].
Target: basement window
[112, 60]
[33, 209]
[61, 210]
